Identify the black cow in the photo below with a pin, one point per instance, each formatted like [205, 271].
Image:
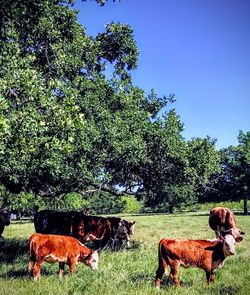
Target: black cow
[4, 219]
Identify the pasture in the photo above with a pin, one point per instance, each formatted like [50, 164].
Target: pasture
[127, 271]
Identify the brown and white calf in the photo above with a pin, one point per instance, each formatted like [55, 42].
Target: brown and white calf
[222, 220]
[62, 249]
[205, 254]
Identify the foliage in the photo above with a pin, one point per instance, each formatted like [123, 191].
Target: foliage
[131, 205]
[178, 169]
[206, 207]
[104, 203]
[233, 181]
[71, 202]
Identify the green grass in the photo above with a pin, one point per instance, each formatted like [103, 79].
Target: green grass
[128, 271]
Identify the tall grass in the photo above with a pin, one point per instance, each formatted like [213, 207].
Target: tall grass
[128, 271]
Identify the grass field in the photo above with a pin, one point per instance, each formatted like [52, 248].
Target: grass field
[128, 271]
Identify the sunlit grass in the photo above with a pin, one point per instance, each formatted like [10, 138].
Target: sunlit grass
[128, 271]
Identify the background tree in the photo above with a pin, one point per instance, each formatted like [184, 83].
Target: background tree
[233, 183]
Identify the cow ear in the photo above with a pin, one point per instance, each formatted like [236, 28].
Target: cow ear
[215, 244]
[238, 239]
[210, 248]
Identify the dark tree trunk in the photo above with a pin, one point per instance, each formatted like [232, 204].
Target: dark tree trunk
[245, 205]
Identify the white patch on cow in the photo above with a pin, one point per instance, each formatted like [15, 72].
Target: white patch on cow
[53, 258]
[93, 260]
[229, 245]
[212, 240]
[132, 229]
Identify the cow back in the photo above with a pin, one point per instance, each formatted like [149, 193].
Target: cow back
[221, 217]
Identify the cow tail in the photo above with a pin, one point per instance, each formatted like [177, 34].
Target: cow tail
[31, 248]
[161, 259]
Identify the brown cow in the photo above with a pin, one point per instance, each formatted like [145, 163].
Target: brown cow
[221, 220]
[62, 249]
[204, 254]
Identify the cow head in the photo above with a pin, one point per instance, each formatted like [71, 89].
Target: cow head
[227, 242]
[235, 232]
[125, 230]
[92, 260]
[229, 245]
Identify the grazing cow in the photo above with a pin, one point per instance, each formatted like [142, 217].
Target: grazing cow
[204, 254]
[4, 219]
[57, 248]
[223, 220]
[121, 231]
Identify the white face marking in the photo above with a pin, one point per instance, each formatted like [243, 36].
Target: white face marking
[93, 261]
[229, 245]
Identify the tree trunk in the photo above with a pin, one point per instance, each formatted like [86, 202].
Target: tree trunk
[245, 205]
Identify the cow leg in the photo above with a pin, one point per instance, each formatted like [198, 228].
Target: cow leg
[210, 276]
[174, 273]
[72, 264]
[61, 269]
[160, 272]
[37, 270]
[31, 265]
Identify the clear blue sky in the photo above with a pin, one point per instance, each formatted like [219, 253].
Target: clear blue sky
[197, 49]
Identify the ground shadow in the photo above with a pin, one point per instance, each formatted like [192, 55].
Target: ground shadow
[12, 249]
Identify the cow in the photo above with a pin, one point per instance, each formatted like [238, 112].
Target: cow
[58, 248]
[92, 230]
[121, 231]
[222, 220]
[4, 219]
[205, 254]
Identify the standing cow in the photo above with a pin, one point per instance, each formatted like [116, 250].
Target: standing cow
[4, 219]
[205, 254]
[221, 220]
[57, 248]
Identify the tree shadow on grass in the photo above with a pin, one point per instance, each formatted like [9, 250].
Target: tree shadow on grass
[13, 249]
[24, 272]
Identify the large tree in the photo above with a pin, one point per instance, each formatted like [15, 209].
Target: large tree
[65, 126]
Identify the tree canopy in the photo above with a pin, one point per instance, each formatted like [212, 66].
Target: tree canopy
[68, 126]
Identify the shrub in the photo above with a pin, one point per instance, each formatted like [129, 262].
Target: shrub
[131, 205]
